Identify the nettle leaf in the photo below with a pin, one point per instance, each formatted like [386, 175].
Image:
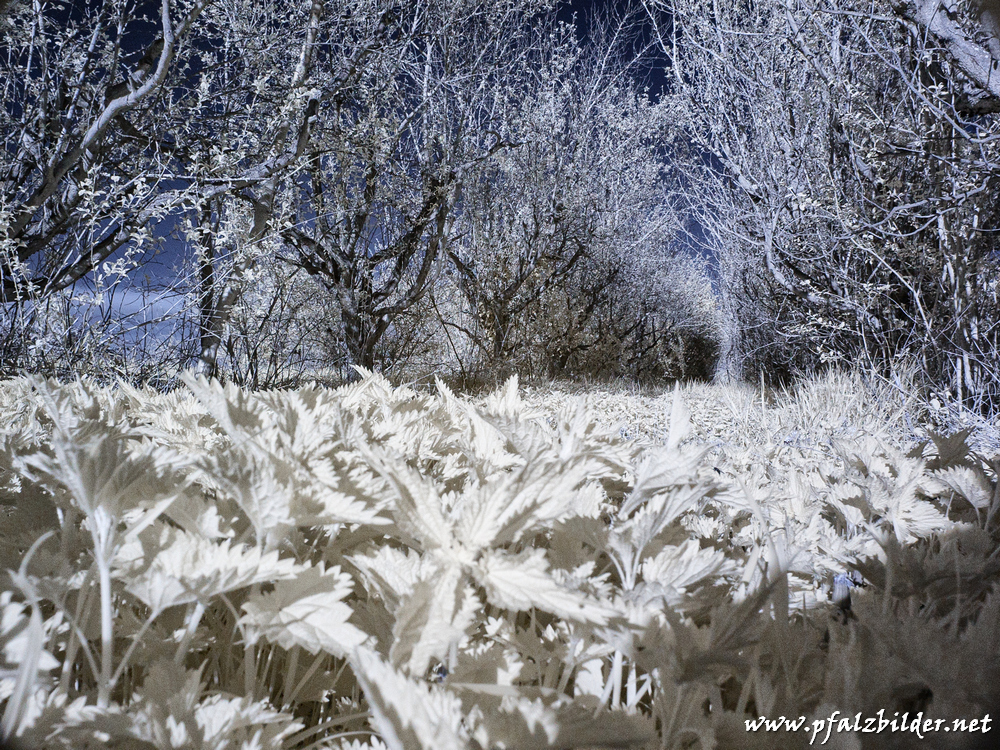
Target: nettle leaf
[260, 488]
[679, 568]
[971, 484]
[659, 503]
[705, 653]
[341, 494]
[480, 441]
[480, 509]
[522, 581]
[850, 500]
[325, 486]
[952, 450]
[299, 423]
[505, 401]
[391, 573]
[237, 412]
[265, 465]
[229, 722]
[196, 515]
[663, 474]
[557, 722]
[373, 744]
[166, 566]
[911, 517]
[167, 700]
[308, 611]
[531, 498]
[917, 520]
[176, 419]
[372, 389]
[107, 470]
[22, 652]
[409, 714]
[54, 722]
[78, 406]
[432, 619]
[418, 509]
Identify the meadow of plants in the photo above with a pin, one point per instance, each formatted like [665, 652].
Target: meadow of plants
[382, 567]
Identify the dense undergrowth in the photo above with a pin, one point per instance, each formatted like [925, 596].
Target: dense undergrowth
[371, 566]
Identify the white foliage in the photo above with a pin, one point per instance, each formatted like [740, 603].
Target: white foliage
[969, 483]
[374, 744]
[392, 573]
[239, 722]
[170, 567]
[432, 618]
[16, 635]
[409, 714]
[676, 569]
[352, 547]
[307, 611]
[522, 581]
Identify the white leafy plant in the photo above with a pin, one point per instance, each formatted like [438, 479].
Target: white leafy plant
[813, 478]
[369, 567]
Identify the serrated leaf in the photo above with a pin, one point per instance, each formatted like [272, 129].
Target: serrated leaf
[227, 722]
[418, 508]
[432, 619]
[391, 573]
[104, 470]
[970, 483]
[532, 719]
[522, 581]
[168, 566]
[259, 487]
[678, 568]
[952, 450]
[409, 715]
[308, 611]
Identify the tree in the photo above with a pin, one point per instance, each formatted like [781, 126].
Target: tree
[106, 144]
[843, 166]
[377, 203]
[554, 229]
[294, 90]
